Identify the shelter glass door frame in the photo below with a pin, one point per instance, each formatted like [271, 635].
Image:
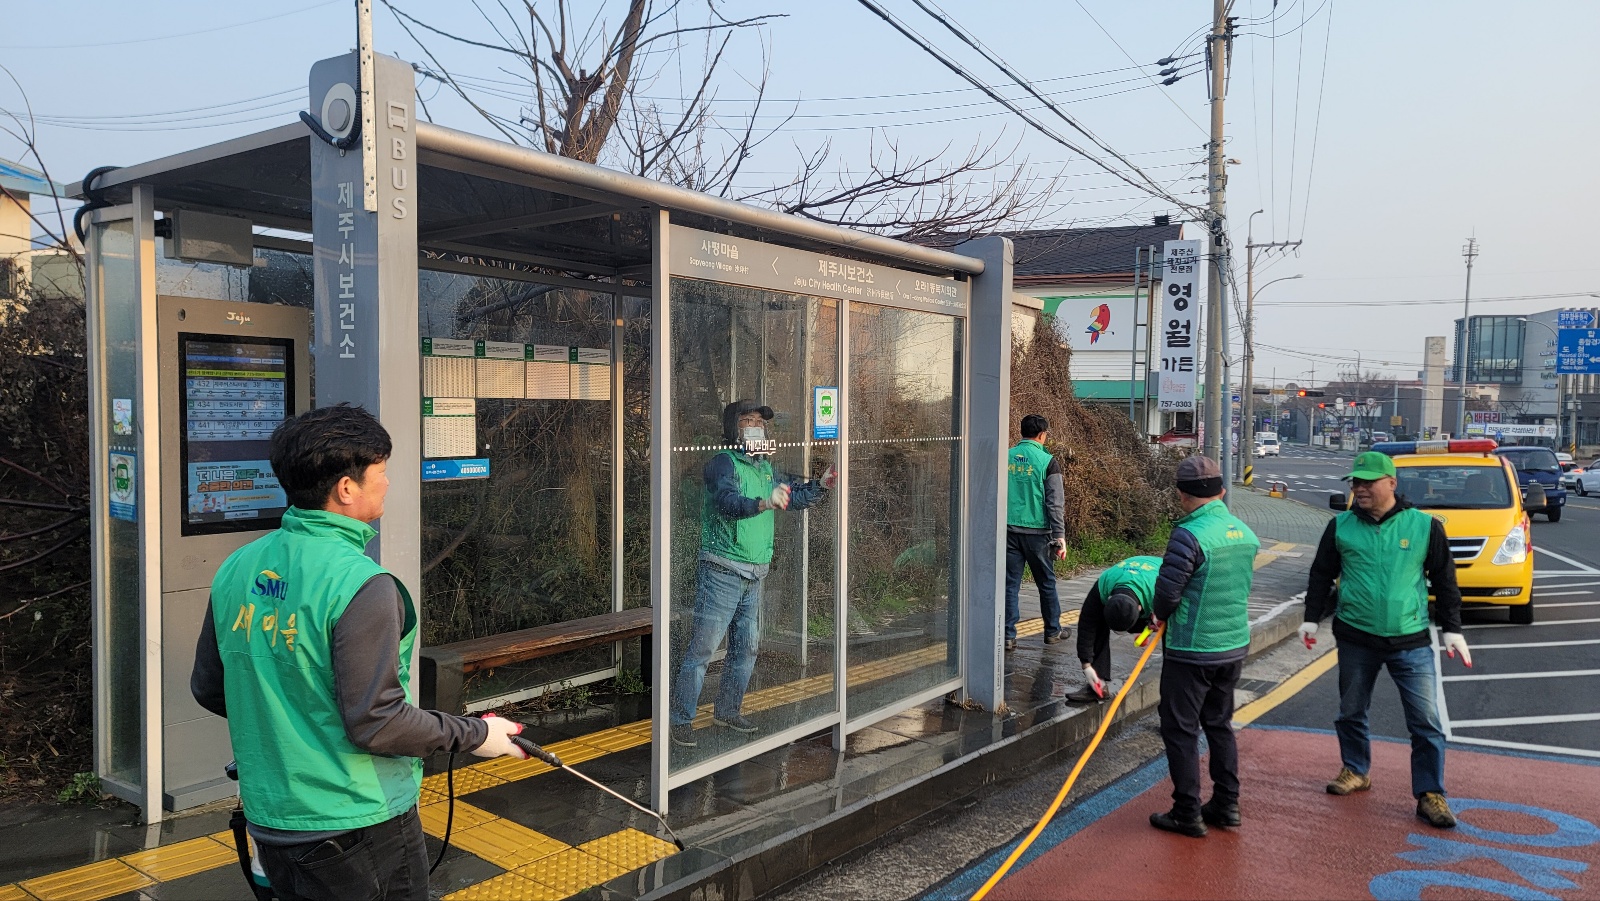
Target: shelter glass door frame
[841, 287]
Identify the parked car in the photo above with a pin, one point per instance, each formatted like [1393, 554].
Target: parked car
[1538, 465]
[1587, 478]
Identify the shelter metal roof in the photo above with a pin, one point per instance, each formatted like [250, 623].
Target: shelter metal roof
[481, 196]
[1043, 255]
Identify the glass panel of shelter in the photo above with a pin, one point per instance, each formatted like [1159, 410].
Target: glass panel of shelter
[116, 291]
[752, 634]
[905, 428]
[517, 503]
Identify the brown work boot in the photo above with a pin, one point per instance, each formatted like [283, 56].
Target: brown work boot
[1347, 782]
[1432, 808]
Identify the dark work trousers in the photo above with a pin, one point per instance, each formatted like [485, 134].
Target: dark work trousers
[1196, 697]
[1094, 636]
[1033, 550]
[384, 861]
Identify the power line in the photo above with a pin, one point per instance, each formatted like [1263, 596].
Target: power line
[1310, 304]
[1294, 137]
[1316, 130]
[955, 67]
[1175, 104]
[168, 37]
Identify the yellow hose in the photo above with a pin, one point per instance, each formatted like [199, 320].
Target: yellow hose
[1105, 723]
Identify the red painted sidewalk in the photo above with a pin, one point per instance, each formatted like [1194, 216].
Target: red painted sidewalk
[1297, 841]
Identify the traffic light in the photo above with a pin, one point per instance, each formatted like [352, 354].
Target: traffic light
[1310, 393]
[1322, 406]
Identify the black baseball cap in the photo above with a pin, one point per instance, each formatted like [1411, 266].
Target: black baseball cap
[732, 412]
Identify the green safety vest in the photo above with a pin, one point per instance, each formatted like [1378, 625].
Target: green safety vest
[747, 540]
[1137, 575]
[275, 602]
[1213, 612]
[1026, 465]
[1383, 588]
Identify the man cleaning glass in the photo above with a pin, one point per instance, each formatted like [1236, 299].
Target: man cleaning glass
[737, 522]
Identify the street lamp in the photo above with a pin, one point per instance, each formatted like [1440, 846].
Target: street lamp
[1563, 383]
[1247, 385]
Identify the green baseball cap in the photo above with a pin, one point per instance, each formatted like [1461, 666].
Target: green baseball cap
[1371, 466]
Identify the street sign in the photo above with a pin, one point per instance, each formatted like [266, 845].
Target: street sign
[1575, 319]
[1578, 351]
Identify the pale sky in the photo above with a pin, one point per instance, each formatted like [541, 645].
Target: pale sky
[1434, 122]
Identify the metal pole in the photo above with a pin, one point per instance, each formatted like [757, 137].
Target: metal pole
[1216, 407]
[1470, 252]
[1247, 385]
[1133, 353]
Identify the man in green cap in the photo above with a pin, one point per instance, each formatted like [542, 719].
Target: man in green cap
[1120, 600]
[1387, 556]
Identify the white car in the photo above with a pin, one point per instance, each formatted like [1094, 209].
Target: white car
[1268, 448]
[1585, 479]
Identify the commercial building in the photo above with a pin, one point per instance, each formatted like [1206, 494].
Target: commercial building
[1513, 357]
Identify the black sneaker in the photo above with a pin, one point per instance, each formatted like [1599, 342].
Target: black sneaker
[737, 723]
[683, 736]
[1168, 823]
[1084, 695]
[1218, 813]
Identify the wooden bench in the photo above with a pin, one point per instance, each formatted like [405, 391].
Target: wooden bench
[446, 666]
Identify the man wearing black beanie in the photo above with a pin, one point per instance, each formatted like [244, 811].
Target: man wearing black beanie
[1202, 594]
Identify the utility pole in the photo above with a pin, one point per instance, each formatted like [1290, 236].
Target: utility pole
[1218, 406]
[1470, 252]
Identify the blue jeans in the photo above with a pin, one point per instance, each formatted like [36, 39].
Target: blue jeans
[1034, 551]
[1412, 672]
[725, 603]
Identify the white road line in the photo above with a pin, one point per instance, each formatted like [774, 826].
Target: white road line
[1554, 674]
[1535, 644]
[1582, 567]
[1528, 720]
[1523, 746]
[1552, 622]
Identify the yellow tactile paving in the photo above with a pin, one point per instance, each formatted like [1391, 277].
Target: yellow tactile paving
[571, 751]
[629, 848]
[571, 871]
[13, 893]
[181, 859]
[87, 883]
[430, 796]
[615, 740]
[468, 779]
[466, 817]
[511, 768]
[225, 836]
[506, 887]
[639, 727]
[506, 844]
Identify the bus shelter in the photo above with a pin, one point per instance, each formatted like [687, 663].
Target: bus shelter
[552, 346]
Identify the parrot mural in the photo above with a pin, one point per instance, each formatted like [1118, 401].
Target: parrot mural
[1099, 321]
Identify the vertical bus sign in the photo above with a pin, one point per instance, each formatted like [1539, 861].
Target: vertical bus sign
[1179, 309]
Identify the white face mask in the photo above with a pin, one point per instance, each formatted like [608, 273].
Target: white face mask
[754, 433]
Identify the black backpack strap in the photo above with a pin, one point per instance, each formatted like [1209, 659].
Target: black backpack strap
[241, 844]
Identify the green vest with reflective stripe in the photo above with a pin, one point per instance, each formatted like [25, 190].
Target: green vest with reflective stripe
[1383, 586]
[1026, 465]
[275, 602]
[747, 540]
[1135, 574]
[1213, 612]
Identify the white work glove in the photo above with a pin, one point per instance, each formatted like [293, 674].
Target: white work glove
[1308, 634]
[1093, 678]
[830, 477]
[1453, 642]
[498, 744]
[1059, 545]
[779, 499]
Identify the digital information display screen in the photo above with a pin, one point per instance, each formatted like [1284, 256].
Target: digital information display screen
[235, 392]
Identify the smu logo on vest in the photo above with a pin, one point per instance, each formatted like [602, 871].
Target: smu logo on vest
[270, 586]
